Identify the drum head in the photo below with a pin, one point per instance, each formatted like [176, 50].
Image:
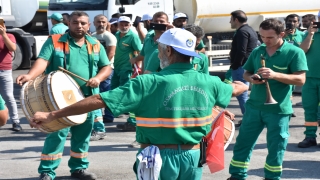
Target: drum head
[65, 92]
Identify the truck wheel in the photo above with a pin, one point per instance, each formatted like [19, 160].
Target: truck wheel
[17, 58]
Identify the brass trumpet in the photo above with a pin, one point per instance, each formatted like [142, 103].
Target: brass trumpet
[269, 99]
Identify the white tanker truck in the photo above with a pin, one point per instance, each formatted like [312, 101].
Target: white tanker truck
[212, 15]
[27, 21]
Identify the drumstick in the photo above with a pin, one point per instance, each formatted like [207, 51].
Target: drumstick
[70, 73]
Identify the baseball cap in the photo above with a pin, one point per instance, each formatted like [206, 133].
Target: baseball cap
[113, 20]
[146, 17]
[180, 15]
[124, 19]
[56, 16]
[181, 40]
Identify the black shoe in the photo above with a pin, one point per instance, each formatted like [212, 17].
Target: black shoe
[127, 127]
[45, 176]
[95, 136]
[293, 115]
[83, 174]
[16, 127]
[232, 178]
[106, 120]
[307, 142]
[239, 124]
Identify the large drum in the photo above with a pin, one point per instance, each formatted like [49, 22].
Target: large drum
[49, 93]
[229, 127]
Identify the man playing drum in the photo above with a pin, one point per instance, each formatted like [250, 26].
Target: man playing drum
[86, 57]
[179, 101]
[285, 65]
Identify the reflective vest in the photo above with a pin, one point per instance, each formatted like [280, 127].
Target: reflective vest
[61, 55]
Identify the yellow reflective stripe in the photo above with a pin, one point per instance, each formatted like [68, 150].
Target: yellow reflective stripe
[311, 124]
[98, 119]
[273, 168]
[78, 155]
[51, 157]
[172, 122]
[239, 164]
[132, 115]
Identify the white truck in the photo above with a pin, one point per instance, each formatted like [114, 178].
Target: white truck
[212, 15]
[27, 21]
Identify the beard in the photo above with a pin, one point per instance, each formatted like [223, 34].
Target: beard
[101, 28]
[124, 31]
[77, 35]
[164, 61]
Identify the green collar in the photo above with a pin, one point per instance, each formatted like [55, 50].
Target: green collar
[182, 66]
[66, 37]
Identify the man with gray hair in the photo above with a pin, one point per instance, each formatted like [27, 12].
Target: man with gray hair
[163, 107]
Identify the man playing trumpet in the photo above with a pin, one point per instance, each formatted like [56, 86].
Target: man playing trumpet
[285, 65]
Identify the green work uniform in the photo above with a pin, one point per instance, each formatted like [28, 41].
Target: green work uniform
[228, 77]
[98, 125]
[59, 28]
[287, 60]
[311, 88]
[296, 38]
[200, 46]
[125, 48]
[154, 62]
[149, 46]
[86, 66]
[166, 114]
[2, 104]
[200, 65]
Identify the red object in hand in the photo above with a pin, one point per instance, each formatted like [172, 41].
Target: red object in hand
[215, 145]
[136, 70]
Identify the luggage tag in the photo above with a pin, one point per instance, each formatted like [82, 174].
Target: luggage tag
[203, 149]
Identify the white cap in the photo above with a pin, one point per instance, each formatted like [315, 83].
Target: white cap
[181, 40]
[124, 19]
[180, 15]
[146, 17]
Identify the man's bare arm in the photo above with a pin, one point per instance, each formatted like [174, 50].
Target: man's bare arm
[38, 68]
[238, 88]
[111, 51]
[3, 116]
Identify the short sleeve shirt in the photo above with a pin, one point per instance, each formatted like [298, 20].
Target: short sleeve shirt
[296, 38]
[154, 62]
[126, 46]
[149, 46]
[59, 28]
[313, 56]
[2, 103]
[287, 60]
[5, 54]
[201, 65]
[176, 102]
[77, 61]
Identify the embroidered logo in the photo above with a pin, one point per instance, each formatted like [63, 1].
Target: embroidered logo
[189, 43]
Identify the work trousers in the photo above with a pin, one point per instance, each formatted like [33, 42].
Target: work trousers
[310, 103]
[54, 146]
[98, 125]
[178, 164]
[253, 123]
[106, 86]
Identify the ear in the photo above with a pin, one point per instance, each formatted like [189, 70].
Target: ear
[169, 51]
[282, 34]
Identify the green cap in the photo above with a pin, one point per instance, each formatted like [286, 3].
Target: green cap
[56, 16]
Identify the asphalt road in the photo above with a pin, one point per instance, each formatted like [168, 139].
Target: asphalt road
[112, 159]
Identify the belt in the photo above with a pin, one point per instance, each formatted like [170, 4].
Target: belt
[173, 146]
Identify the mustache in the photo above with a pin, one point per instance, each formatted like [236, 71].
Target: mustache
[100, 27]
